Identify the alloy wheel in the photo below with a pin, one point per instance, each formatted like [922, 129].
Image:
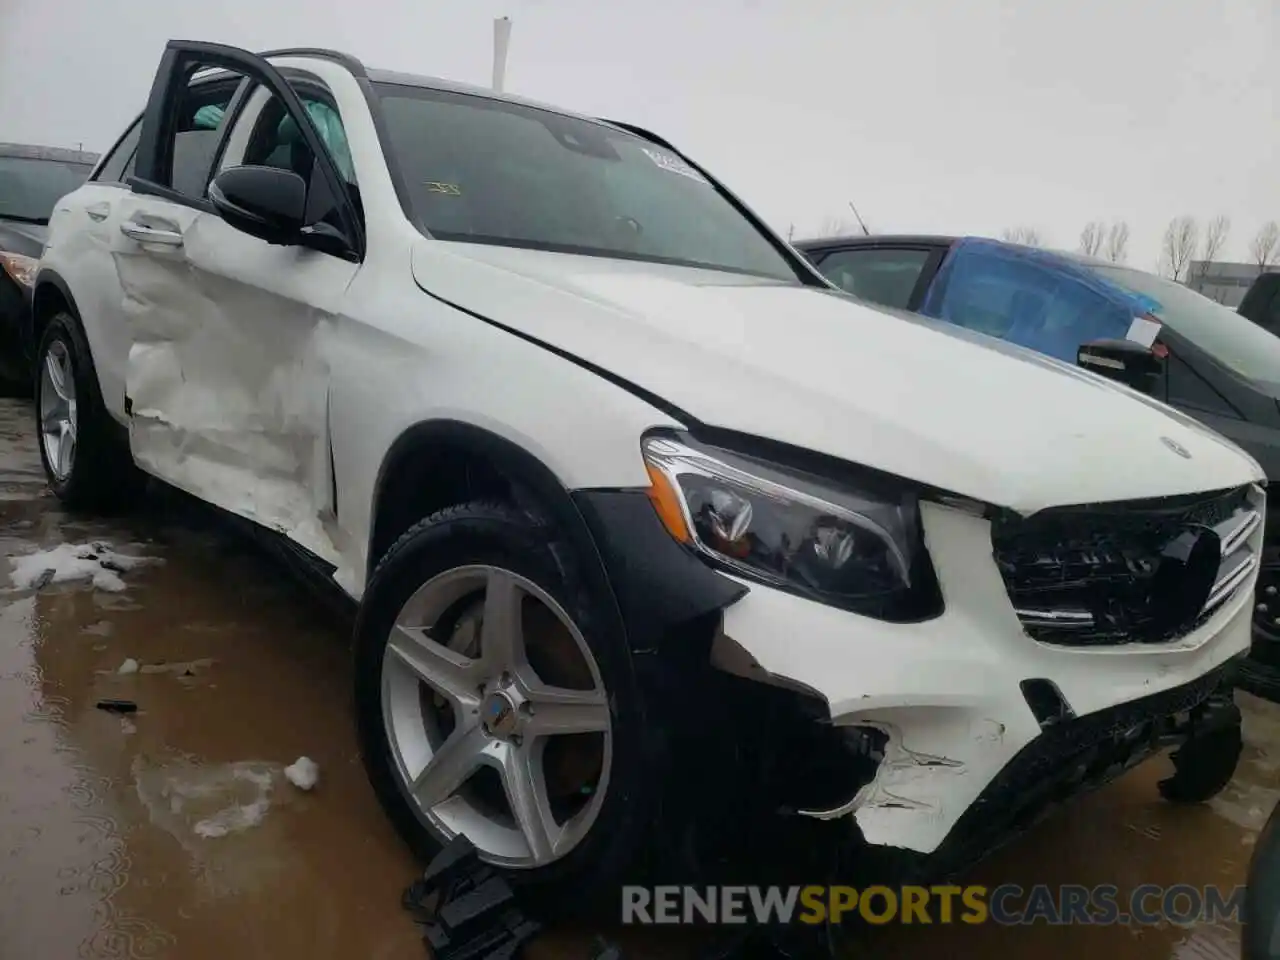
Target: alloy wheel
[58, 410]
[496, 715]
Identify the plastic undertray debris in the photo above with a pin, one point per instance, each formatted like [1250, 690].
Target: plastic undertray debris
[465, 910]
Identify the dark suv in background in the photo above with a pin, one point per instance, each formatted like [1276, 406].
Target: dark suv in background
[1154, 334]
[32, 180]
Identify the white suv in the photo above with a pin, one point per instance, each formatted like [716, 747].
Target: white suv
[641, 515]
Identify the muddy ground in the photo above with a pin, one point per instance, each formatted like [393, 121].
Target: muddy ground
[174, 833]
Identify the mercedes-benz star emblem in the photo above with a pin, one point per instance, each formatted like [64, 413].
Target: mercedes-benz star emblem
[1176, 447]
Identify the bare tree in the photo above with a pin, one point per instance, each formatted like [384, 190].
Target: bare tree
[1091, 238]
[1215, 237]
[1179, 246]
[1027, 236]
[1263, 247]
[1117, 246]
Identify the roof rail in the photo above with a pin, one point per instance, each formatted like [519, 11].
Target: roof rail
[344, 59]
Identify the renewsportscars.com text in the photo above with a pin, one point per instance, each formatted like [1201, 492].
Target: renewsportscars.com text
[1008, 904]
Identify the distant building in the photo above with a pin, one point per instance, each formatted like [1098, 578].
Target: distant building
[1225, 282]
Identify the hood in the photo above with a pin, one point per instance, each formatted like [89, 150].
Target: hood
[24, 238]
[819, 370]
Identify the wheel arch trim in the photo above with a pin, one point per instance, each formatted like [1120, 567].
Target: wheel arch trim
[512, 461]
[45, 279]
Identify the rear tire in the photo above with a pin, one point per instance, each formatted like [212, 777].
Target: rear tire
[97, 471]
[585, 877]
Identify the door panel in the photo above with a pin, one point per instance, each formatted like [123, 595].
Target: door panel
[228, 390]
[85, 238]
[226, 382]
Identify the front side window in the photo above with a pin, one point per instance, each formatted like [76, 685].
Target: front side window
[1248, 350]
[277, 141]
[881, 276]
[487, 171]
[31, 187]
[1025, 301]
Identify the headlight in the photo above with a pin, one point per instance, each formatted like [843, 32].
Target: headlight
[22, 269]
[840, 544]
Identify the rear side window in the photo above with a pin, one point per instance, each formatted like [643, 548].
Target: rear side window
[881, 276]
[121, 157]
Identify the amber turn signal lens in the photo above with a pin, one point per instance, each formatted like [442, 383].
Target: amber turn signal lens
[666, 501]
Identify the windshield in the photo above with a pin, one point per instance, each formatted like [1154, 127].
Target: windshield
[488, 171]
[29, 188]
[1236, 343]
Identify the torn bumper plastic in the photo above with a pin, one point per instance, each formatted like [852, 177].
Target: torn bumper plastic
[465, 910]
[966, 703]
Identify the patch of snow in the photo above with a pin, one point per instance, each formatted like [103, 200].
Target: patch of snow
[205, 802]
[129, 666]
[233, 819]
[127, 726]
[95, 562]
[303, 773]
[185, 667]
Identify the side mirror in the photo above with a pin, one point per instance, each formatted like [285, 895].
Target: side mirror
[264, 202]
[1125, 361]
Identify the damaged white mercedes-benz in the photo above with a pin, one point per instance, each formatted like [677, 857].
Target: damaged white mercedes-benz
[656, 538]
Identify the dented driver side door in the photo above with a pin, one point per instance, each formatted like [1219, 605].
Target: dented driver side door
[226, 382]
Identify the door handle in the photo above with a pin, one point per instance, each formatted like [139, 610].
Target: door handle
[98, 211]
[148, 234]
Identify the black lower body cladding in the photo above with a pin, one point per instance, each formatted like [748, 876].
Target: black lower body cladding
[659, 585]
[1078, 754]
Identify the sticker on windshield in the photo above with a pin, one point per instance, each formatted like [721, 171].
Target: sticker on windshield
[1143, 330]
[674, 164]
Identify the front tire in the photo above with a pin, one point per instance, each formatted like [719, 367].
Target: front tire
[495, 698]
[87, 463]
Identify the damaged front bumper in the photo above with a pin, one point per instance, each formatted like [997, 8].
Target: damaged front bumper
[956, 732]
[968, 701]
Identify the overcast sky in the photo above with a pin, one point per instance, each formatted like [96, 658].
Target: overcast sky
[931, 115]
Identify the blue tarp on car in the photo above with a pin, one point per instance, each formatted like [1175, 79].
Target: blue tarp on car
[1034, 298]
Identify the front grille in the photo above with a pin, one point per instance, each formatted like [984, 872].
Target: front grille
[1097, 574]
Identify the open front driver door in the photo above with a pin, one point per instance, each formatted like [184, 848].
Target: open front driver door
[226, 385]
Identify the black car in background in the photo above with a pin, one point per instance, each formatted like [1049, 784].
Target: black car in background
[1200, 357]
[32, 180]
[1261, 302]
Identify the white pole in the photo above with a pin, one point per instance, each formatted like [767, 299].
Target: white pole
[501, 40]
